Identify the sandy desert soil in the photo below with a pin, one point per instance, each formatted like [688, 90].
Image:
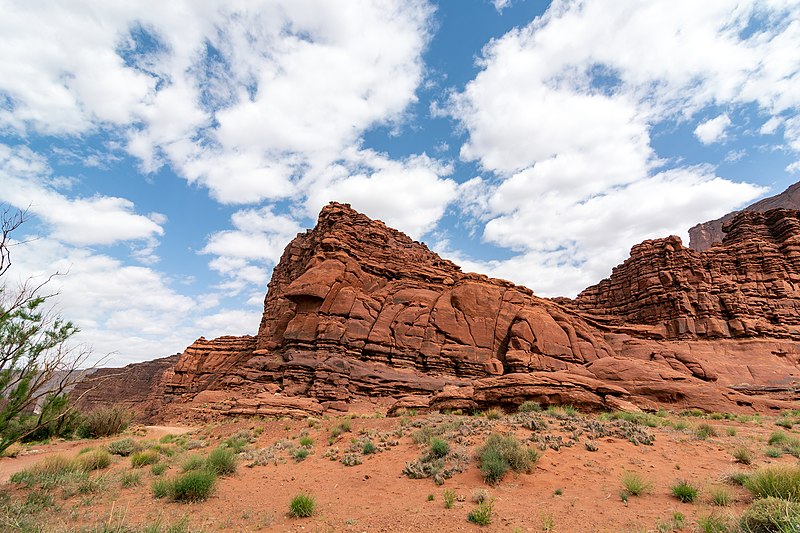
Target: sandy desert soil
[571, 487]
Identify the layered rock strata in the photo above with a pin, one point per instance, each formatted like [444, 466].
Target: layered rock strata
[356, 309]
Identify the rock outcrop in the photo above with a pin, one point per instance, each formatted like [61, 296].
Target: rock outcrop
[356, 309]
[702, 236]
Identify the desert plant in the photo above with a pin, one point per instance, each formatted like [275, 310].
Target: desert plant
[768, 515]
[449, 497]
[193, 462]
[684, 491]
[493, 414]
[773, 452]
[130, 479]
[703, 431]
[502, 453]
[300, 454]
[439, 447]
[634, 484]
[302, 505]
[737, 478]
[529, 407]
[222, 461]
[162, 488]
[123, 447]
[720, 496]
[105, 422]
[369, 448]
[94, 460]
[743, 455]
[731, 432]
[144, 458]
[479, 496]
[341, 427]
[48, 472]
[306, 441]
[193, 486]
[776, 481]
[713, 523]
[777, 438]
[482, 513]
[158, 469]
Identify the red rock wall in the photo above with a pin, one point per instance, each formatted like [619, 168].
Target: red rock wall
[747, 287]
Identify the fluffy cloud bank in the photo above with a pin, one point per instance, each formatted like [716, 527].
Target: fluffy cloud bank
[562, 112]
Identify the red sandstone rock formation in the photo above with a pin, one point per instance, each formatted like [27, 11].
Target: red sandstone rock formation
[357, 309]
[702, 236]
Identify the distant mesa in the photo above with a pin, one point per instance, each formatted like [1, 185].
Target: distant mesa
[358, 311]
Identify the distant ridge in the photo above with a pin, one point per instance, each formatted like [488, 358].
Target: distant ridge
[702, 236]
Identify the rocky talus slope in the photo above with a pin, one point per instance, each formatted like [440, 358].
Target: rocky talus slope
[358, 310]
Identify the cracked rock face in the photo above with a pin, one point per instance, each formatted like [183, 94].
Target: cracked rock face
[358, 310]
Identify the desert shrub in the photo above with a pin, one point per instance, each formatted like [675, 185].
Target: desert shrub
[353, 459]
[773, 452]
[166, 439]
[369, 448]
[50, 472]
[529, 407]
[743, 455]
[482, 513]
[239, 440]
[502, 453]
[162, 488]
[713, 523]
[449, 497]
[731, 432]
[720, 496]
[439, 447]
[193, 486]
[222, 461]
[144, 458]
[684, 491]
[493, 414]
[94, 460]
[300, 454]
[561, 412]
[341, 427]
[642, 419]
[123, 447]
[777, 438]
[130, 479]
[193, 462]
[105, 422]
[634, 484]
[306, 441]
[770, 515]
[737, 478]
[784, 423]
[158, 469]
[776, 481]
[302, 505]
[680, 425]
[703, 431]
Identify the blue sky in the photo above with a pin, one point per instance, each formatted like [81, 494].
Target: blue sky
[168, 151]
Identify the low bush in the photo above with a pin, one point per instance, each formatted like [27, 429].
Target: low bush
[341, 427]
[684, 491]
[193, 462]
[130, 479]
[502, 453]
[439, 447]
[529, 407]
[105, 422]
[482, 513]
[713, 523]
[743, 455]
[300, 454]
[777, 438]
[193, 486]
[302, 505]
[720, 496]
[49, 472]
[123, 447]
[158, 469]
[369, 448]
[449, 497]
[222, 461]
[770, 515]
[144, 458]
[703, 431]
[94, 460]
[776, 481]
[634, 484]
[162, 488]
[306, 441]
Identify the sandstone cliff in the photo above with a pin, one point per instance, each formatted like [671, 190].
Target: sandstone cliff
[702, 236]
[356, 309]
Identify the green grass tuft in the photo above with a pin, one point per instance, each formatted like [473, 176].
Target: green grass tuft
[502, 453]
[684, 491]
[634, 484]
[302, 505]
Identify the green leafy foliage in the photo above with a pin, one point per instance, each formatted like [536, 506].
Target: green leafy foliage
[502, 453]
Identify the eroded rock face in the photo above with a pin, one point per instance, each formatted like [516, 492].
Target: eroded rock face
[749, 286]
[356, 309]
[703, 236]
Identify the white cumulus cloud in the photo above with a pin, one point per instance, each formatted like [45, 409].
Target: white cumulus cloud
[713, 129]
